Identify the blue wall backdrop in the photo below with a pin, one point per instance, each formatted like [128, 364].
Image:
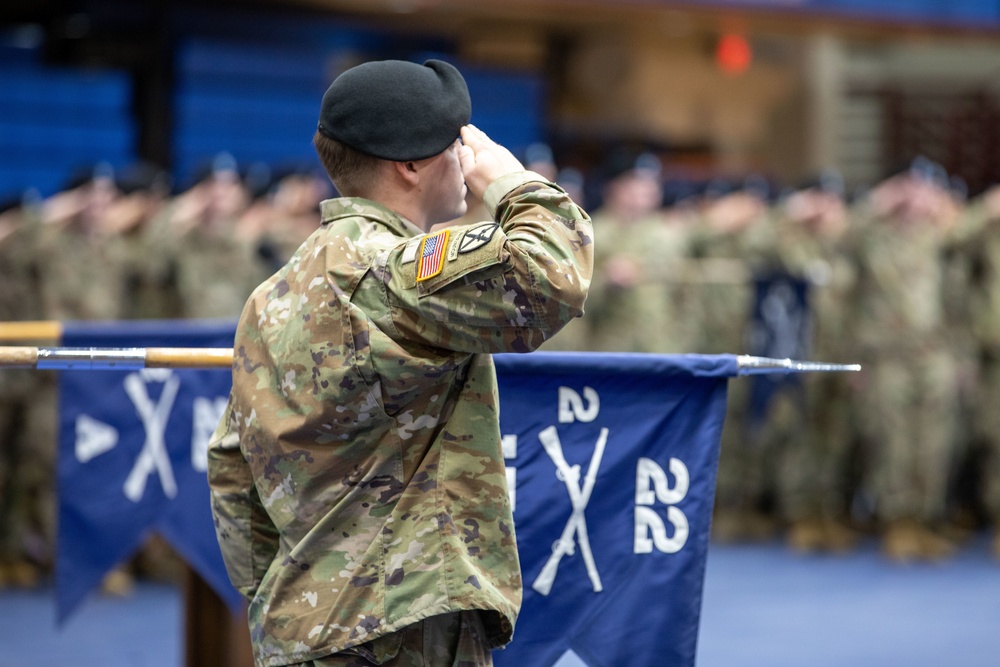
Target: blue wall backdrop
[970, 13]
[249, 82]
[253, 93]
[56, 120]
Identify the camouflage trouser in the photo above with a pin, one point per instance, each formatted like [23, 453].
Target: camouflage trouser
[11, 499]
[739, 477]
[449, 640]
[27, 448]
[814, 458]
[911, 416]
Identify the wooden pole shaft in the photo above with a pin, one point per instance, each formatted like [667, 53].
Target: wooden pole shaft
[114, 358]
[18, 357]
[184, 357]
[41, 331]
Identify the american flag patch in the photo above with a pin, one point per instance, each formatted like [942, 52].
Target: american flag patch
[432, 253]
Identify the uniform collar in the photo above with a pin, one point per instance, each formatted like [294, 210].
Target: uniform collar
[352, 207]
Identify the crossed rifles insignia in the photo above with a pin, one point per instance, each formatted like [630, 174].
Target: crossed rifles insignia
[477, 237]
[576, 526]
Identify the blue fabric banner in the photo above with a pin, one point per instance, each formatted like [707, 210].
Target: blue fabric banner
[132, 457]
[611, 460]
[781, 327]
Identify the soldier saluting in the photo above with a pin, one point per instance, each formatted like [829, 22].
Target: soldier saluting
[357, 478]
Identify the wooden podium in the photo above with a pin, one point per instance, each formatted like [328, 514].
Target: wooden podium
[213, 635]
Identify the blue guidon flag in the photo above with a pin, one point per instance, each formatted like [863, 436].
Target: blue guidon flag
[133, 456]
[611, 464]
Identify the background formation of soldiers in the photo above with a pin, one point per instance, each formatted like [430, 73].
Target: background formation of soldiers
[903, 278]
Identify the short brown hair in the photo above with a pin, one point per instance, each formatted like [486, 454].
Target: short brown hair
[353, 173]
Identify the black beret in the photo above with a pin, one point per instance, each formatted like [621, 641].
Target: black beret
[624, 160]
[396, 110]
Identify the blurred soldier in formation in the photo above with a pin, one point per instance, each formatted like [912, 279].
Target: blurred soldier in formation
[138, 218]
[630, 307]
[813, 488]
[732, 234]
[24, 553]
[259, 183]
[978, 249]
[75, 265]
[538, 158]
[572, 181]
[910, 391]
[79, 256]
[286, 215]
[216, 263]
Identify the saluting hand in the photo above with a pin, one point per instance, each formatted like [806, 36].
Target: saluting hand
[483, 160]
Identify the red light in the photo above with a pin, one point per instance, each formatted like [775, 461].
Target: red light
[733, 54]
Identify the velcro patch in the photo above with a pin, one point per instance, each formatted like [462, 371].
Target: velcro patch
[432, 253]
[410, 252]
[478, 236]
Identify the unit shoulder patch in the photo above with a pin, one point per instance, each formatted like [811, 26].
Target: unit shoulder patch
[476, 237]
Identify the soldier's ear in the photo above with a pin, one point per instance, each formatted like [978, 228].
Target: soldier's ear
[407, 171]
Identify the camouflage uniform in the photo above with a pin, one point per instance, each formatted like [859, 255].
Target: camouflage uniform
[19, 480]
[637, 317]
[814, 492]
[285, 219]
[909, 396]
[83, 274]
[723, 252]
[978, 252]
[151, 272]
[723, 257]
[214, 261]
[357, 481]
[457, 638]
[79, 274]
[215, 270]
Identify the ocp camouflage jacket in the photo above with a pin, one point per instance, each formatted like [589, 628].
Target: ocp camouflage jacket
[358, 484]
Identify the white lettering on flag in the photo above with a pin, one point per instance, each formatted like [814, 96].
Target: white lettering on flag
[571, 406]
[205, 417]
[93, 438]
[647, 470]
[576, 526]
[651, 485]
[154, 418]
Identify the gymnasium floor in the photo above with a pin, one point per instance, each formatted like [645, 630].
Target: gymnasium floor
[763, 607]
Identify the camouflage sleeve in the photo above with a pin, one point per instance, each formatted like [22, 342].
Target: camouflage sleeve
[247, 538]
[497, 286]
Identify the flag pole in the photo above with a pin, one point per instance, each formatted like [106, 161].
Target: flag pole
[91, 358]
